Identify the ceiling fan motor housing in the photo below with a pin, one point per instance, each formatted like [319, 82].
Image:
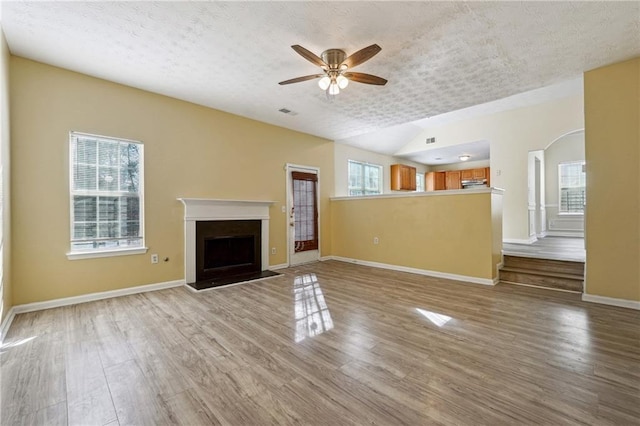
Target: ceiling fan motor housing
[334, 57]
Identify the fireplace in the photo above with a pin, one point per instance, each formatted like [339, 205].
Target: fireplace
[227, 247]
[226, 241]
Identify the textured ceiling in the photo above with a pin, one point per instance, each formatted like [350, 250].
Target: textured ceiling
[438, 56]
[478, 150]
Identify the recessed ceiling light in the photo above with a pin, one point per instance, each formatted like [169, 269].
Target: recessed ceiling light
[464, 157]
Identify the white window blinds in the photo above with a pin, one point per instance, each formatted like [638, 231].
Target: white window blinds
[106, 193]
[572, 180]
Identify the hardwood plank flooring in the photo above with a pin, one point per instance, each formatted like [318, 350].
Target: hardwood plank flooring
[326, 343]
[558, 248]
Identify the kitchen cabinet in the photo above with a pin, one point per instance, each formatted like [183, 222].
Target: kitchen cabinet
[467, 174]
[435, 181]
[479, 174]
[474, 174]
[403, 177]
[453, 179]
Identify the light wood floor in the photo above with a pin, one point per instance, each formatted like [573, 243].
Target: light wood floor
[556, 248]
[328, 343]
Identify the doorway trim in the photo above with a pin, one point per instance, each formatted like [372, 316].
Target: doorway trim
[290, 167]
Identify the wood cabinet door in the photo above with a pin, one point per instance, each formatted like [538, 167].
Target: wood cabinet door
[453, 179]
[409, 178]
[403, 177]
[441, 181]
[480, 174]
[435, 181]
[466, 174]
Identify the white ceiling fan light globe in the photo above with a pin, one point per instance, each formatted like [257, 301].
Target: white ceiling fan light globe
[342, 81]
[334, 89]
[324, 82]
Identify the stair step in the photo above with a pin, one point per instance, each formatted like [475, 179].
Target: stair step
[559, 266]
[535, 278]
[545, 273]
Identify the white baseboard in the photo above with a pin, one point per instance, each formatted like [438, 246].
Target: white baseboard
[622, 303]
[55, 303]
[571, 234]
[530, 240]
[278, 266]
[323, 258]
[436, 274]
[6, 324]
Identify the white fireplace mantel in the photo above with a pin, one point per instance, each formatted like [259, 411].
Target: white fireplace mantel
[196, 209]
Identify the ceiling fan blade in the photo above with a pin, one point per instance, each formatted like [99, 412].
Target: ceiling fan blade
[365, 78]
[299, 79]
[361, 56]
[310, 56]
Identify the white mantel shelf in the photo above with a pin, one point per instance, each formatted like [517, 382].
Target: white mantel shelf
[196, 209]
[219, 209]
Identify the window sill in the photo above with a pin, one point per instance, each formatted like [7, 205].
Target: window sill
[565, 214]
[77, 255]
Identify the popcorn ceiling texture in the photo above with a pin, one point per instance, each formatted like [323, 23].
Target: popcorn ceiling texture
[438, 57]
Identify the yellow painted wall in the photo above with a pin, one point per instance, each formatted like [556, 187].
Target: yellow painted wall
[612, 151]
[444, 233]
[5, 194]
[190, 151]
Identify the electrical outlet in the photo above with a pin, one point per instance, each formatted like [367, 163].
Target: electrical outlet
[273, 250]
[376, 240]
[154, 258]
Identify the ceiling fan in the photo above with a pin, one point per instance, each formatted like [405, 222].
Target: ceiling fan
[336, 66]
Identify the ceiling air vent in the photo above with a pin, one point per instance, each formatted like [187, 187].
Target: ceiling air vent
[430, 140]
[287, 111]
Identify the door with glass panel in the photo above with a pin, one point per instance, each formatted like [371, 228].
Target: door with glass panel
[304, 238]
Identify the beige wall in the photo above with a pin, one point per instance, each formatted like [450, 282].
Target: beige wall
[612, 150]
[512, 134]
[451, 233]
[344, 153]
[190, 151]
[5, 194]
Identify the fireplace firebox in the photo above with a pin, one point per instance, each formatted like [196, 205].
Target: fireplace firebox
[227, 248]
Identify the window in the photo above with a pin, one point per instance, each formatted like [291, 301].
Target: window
[364, 178]
[419, 182]
[106, 196]
[572, 178]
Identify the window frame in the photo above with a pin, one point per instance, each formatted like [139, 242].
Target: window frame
[363, 189]
[562, 212]
[420, 178]
[104, 252]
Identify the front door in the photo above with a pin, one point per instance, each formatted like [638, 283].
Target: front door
[303, 218]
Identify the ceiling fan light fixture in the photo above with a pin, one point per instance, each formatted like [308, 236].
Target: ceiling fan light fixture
[342, 81]
[324, 82]
[334, 89]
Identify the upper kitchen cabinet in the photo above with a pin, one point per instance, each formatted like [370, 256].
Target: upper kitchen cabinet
[403, 177]
[454, 179]
[474, 174]
[435, 181]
